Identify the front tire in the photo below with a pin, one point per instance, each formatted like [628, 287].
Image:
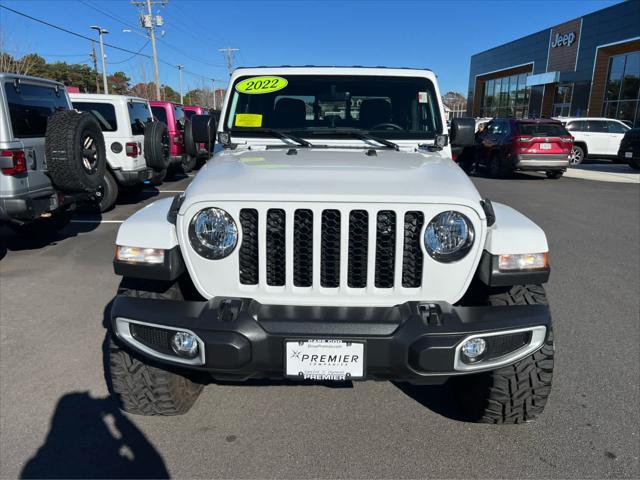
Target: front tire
[140, 386]
[515, 393]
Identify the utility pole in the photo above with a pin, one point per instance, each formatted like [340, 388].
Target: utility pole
[95, 64]
[229, 53]
[180, 81]
[102, 31]
[150, 22]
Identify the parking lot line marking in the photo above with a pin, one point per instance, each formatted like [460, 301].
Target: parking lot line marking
[163, 191]
[97, 221]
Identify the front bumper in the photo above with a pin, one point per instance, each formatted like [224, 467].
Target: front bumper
[535, 161]
[415, 342]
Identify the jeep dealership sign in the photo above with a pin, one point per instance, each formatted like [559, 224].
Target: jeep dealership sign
[563, 40]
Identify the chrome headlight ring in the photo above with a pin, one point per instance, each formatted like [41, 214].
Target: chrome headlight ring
[449, 236]
[213, 233]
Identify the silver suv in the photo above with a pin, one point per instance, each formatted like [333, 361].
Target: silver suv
[51, 156]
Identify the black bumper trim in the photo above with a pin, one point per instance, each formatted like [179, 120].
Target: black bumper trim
[245, 339]
[132, 177]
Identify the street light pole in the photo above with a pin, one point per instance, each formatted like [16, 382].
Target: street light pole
[102, 31]
[180, 81]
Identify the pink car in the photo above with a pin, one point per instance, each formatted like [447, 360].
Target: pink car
[174, 116]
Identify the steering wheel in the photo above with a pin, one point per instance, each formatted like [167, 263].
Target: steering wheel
[386, 126]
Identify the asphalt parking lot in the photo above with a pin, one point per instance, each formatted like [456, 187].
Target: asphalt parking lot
[56, 419]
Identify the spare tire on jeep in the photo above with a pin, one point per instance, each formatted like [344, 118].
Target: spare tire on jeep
[75, 151]
[157, 149]
[189, 144]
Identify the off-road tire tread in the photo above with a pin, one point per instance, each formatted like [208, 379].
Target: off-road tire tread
[141, 387]
[515, 393]
[153, 153]
[64, 130]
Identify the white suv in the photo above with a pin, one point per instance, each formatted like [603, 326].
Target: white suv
[333, 238]
[594, 137]
[123, 120]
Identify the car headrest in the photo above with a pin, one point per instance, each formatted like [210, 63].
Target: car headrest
[289, 113]
[374, 111]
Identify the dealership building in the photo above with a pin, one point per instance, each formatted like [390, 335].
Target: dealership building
[588, 66]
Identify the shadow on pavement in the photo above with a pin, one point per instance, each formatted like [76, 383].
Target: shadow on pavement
[12, 241]
[90, 438]
[440, 399]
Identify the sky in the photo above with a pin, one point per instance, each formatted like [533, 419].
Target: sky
[439, 35]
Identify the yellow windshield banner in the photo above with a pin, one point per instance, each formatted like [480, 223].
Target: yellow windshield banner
[261, 85]
[248, 120]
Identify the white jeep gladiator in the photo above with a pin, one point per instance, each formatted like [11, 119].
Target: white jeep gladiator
[333, 238]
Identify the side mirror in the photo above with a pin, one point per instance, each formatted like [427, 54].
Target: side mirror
[463, 131]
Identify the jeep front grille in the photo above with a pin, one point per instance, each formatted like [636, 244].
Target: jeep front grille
[391, 248]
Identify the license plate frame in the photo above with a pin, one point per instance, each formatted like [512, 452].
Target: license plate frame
[545, 146]
[294, 367]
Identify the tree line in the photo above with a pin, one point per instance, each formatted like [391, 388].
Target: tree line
[89, 80]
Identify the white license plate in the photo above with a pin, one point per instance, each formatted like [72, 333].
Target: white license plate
[324, 359]
[545, 146]
[53, 202]
[628, 154]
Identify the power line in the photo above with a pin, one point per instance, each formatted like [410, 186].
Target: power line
[79, 35]
[69, 31]
[132, 56]
[160, 39]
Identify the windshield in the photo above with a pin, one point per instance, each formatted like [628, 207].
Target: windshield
[333, 105]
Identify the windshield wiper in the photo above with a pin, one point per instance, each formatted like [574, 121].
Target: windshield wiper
[277, 133]
[362, 135]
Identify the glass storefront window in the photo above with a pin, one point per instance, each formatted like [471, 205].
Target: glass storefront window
[631, 79]
[505, 97]
[622, 97]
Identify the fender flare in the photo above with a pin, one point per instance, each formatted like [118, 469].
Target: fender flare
[149, 227]
[514, 233]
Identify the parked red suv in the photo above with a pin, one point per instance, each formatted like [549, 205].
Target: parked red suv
[509, 144]
[173, 115]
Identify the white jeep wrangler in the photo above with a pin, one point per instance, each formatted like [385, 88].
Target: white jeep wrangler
[124, 121]
[333, 239]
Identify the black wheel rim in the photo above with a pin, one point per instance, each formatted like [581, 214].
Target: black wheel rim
[89, 154]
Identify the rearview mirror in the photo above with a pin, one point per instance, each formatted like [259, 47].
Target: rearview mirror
[463, 131]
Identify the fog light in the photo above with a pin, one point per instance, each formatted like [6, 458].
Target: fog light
[473, 350]
[185, 344]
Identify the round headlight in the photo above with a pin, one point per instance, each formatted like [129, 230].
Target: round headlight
[448, 236]
[213, 233]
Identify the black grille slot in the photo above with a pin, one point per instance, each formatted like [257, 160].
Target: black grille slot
[276, 260]
[157, 339]
[249, 248]
[303, 248]
[500, 345]
[385, 248]
[412, 252]
[330, 249]
[358, 245]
